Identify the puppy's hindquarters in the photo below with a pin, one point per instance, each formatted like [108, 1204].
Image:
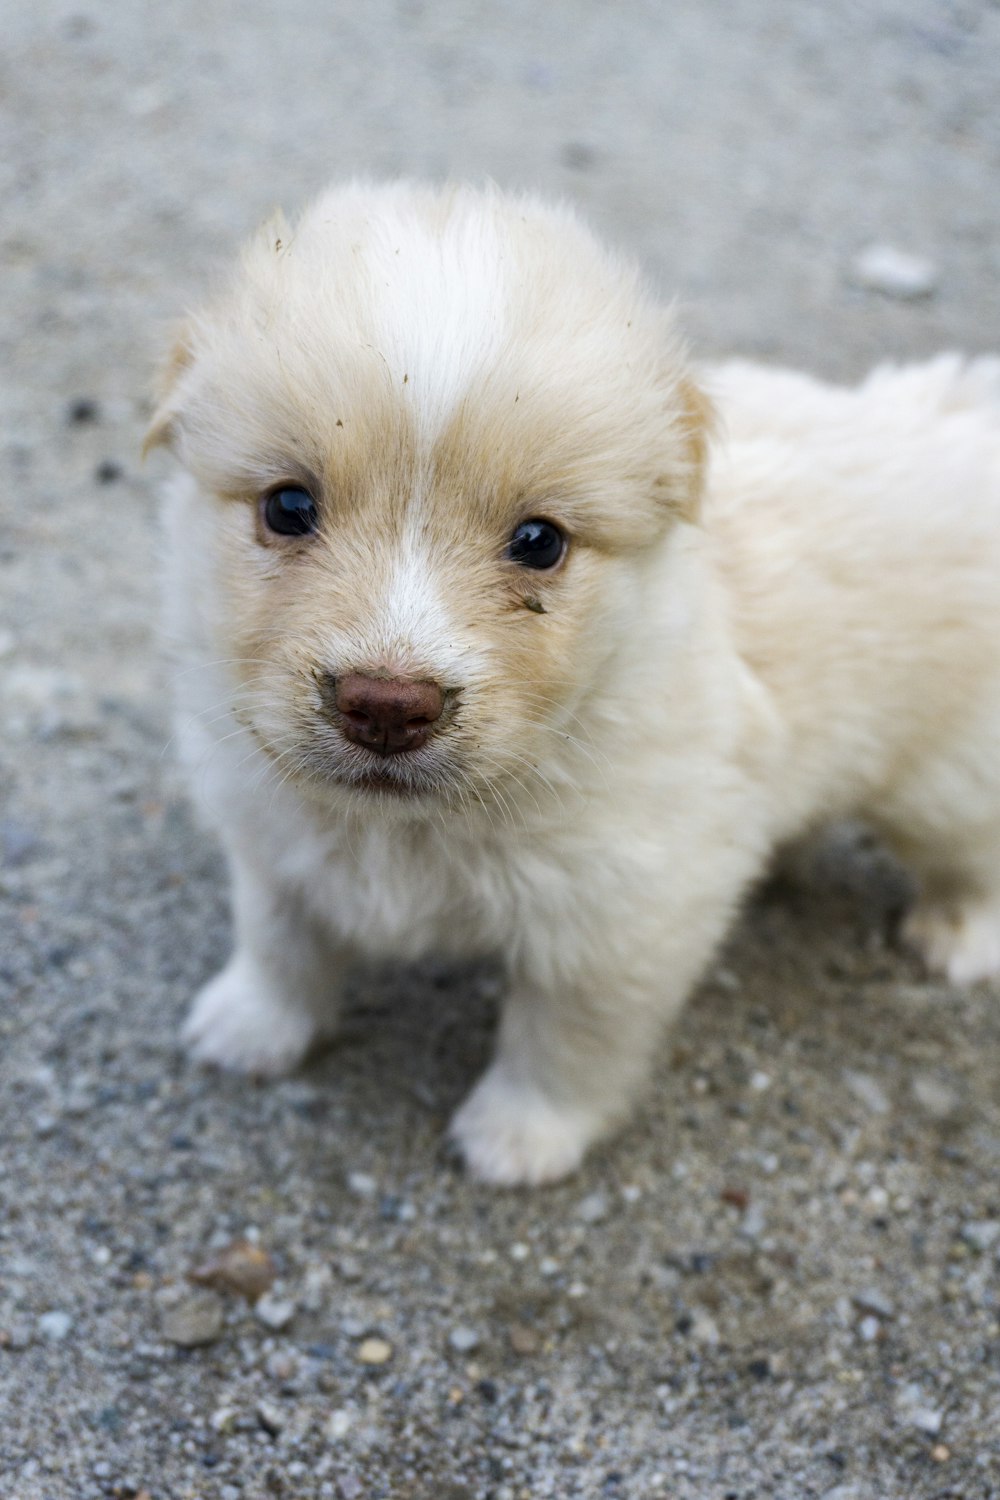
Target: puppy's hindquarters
[888, 582]
[944, 822]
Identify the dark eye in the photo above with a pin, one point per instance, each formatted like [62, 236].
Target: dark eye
[536, 544]
[290, 512]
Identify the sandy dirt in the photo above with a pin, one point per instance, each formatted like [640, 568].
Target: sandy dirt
[782, 1281]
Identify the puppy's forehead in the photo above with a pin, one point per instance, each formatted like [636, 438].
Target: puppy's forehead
[398, 336]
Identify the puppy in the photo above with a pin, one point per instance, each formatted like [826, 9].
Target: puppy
[492, 637]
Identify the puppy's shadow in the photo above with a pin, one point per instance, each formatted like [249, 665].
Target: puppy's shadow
[428, 1025]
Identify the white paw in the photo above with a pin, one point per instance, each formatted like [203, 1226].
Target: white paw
[511, 1134]
[963, 942]
[237, 1023]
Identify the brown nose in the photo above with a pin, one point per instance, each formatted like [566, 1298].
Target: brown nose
[386, 714]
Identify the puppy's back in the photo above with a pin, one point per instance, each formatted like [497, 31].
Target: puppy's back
[859, 532]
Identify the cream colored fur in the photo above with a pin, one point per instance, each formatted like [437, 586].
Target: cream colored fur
[787, 616]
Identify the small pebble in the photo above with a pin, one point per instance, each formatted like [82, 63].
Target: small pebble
[83, 409]
[275, 1312]
[16, 1337]
[270, 1417]
[704, 1329]
[374, 1351]
[55, 1325]
[463, 1340]
[241, 1267]
[894, 273]
[869, 1329]
[935, 1097]
[981, 1234]
[940, 1453]
[281, 1365]
[523, 1340]
[911, 1410]
[362, 1185]
[593, 1209]
[223, 1419]
[871, 1300]
[195, 1320]
[753, 1222]
[868, 1091]
[338, 1424]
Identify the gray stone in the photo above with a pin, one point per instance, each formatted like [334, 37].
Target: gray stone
[981, 1234]
[937, 1098]
[275, 1312]
[868, 1091]
[871, 1300]
[55, 1325]
[894, 273]
[593, 1209]
[197, 1319]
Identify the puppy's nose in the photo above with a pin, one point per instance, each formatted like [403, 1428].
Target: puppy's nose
[386, 714]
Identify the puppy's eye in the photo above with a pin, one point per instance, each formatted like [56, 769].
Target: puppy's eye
[536, 544]
[290, 512]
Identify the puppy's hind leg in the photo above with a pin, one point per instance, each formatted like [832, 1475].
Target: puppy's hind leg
[278, 996]
[957, 933]
[955, 924]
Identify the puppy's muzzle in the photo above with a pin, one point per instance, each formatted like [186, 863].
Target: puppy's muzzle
[387, 715]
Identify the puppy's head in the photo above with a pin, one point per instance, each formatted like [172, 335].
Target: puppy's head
[435, 435]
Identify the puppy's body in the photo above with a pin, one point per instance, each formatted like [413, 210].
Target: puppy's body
[797, 619]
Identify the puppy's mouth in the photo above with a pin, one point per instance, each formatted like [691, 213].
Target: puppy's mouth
[381, 778]
[410, 776]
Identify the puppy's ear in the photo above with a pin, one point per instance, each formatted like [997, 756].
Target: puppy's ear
[696, 423]
[161, 429]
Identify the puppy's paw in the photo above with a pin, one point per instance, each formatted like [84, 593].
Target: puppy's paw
[238, 1023]
[510, 1134]
[960, 942]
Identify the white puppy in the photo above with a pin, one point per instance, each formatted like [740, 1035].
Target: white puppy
[492, 639]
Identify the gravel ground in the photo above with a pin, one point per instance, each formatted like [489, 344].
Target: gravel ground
[783, 1280]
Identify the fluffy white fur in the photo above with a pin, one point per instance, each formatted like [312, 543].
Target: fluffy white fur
[763, 622]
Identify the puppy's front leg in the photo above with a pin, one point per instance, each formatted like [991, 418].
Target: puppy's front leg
[279, 993]
[573, 1050]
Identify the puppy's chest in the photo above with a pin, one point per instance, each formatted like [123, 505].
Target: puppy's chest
[402, 893]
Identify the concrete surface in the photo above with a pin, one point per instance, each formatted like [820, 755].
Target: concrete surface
[782, 1281]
